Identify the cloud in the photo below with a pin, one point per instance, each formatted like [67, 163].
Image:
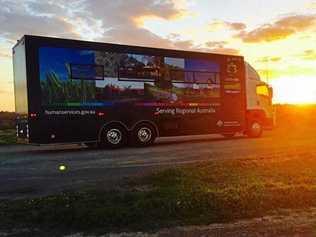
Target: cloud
[122, 19]
[5, 50]
[184, 44]
[5, 55]
[135, 36]
[311, 5]
[19, 18]
[216, 44]
[219, 25]
[309, 55]
[236, 26]
[111, 21]
[269, 59]
[229, 51]
[4, 91]
[279, 30]
[265, 33]
[120, 10]
[220, 47]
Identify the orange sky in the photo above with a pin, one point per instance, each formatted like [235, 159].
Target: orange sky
[276, 37]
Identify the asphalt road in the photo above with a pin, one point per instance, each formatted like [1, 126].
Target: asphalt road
[27, 171]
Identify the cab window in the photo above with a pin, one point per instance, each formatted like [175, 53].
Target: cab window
[263, 90]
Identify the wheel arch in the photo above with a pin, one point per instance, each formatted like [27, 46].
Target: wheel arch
[257, 115]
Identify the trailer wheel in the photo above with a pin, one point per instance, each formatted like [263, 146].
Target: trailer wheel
[113, 137]
[255, 129]
[143, 135]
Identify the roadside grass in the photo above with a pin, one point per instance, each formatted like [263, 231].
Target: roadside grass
[7, 136]
[198, 194]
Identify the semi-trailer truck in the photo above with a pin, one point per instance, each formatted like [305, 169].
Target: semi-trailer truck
[110, 95]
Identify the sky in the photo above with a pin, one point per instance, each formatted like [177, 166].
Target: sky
[278, 38]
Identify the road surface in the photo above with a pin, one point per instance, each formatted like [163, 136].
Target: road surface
[27, 171]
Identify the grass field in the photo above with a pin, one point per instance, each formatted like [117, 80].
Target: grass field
[7, 136]
[193, 195]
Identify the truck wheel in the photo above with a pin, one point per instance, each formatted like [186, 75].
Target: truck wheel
[143, 135]
[255, 129]
[114, 136]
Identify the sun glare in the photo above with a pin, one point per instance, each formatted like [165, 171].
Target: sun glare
[294, 90]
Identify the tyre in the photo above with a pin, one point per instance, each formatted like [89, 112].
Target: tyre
[113, 137]
[228, 135]
[143, 135]
[255, 129]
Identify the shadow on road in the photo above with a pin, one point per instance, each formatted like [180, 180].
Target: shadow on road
[194, 140]
[77, 148]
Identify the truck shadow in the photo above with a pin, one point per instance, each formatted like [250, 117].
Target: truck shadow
[162, 142]
[195, 140]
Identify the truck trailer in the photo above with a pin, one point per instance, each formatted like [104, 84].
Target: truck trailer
[111, 95]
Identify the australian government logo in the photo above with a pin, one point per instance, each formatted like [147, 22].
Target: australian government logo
[232, 68]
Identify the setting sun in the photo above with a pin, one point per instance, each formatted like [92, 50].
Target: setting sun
[295, 90]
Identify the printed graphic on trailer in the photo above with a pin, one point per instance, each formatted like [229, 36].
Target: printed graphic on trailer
[73, 78]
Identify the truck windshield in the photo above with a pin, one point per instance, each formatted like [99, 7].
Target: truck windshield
[263, 90]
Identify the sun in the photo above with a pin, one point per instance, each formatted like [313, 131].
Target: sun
[294, 90]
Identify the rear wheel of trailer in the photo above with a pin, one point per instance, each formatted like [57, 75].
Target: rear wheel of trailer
[144, 134]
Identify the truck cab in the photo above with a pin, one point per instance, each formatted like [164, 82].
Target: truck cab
[260, 110]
